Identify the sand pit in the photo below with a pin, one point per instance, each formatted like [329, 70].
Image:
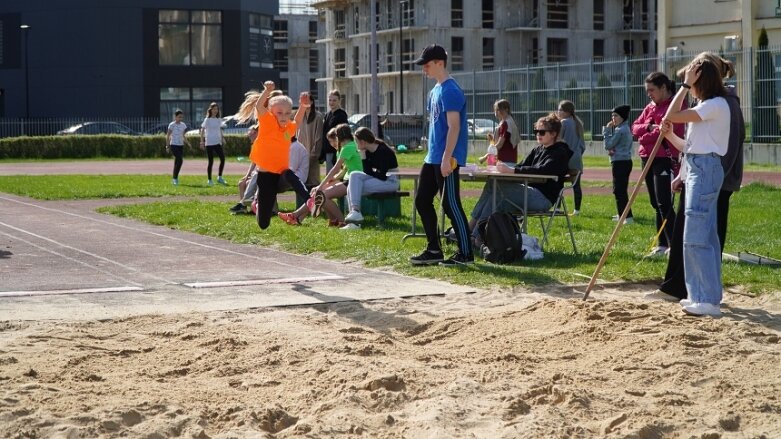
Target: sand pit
[492, 364]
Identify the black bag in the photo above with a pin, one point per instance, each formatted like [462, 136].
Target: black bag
[501, 237]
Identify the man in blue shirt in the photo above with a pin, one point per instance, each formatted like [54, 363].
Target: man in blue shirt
[447, 149]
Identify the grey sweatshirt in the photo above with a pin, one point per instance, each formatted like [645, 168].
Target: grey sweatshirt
[619, 139]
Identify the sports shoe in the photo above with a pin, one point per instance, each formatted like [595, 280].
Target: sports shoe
[209, 183]
[458, 259]
[660, 295]
[616, 217]
[629, 220]
[427, 258]
[575, 212]
[222, 181]
[318, 206]
[175, 181]
[289, 218]
[685, 302]
[353, 217]
[238, 208]
[657, 252]
[702, 309]
[350, 226]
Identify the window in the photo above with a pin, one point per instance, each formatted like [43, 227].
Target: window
[280, 31]
[599, 50]
[628, 15]
[314, 61]
[488, 53]
[558, 14]
[356, 60]
[488, 14]
[457, 55]
[377, 10]
[312, 32]
[280, 59]
[389, 57]
[340, 64]
[408, 54]
[410, 13]
[261, 34]
[629, 47]
[390, 102]
[340, 26]
[283, 85]
[457, 13]
[188, 38]
[557, 50]
[313, 89]
[599, 14]
[356, 20]
[534, 53]
[193, 101]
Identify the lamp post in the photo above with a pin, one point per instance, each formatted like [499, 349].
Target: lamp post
[25, 29]
[401, 56]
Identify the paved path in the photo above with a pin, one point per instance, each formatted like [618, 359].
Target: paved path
[61, 260]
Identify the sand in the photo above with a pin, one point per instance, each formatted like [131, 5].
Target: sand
[514, 364]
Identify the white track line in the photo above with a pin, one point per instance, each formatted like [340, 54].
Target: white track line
[64, 292]
[244, 283]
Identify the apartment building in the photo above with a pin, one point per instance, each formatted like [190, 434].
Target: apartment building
[479, 35]
[697, 25]
[296, 54]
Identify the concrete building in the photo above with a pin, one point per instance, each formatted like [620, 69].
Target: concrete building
[697, 25]
[296, 54]
[479, 35]
[132, 58]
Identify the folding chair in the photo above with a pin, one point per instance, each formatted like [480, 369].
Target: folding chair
[559, 209]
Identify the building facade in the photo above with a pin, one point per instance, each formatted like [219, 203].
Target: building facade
[479, 35]
[297, 55]
[132, 58]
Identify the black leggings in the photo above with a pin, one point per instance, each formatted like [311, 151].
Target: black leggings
[178, 152]
[674, 280]
[577, 192]
[430, 183]
[621, 170]
[658, 181]
[268, 186]
[210, 150]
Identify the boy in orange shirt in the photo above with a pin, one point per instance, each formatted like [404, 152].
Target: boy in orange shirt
[271, 149]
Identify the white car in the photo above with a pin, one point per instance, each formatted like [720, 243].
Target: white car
[479, 128]
[229, 126]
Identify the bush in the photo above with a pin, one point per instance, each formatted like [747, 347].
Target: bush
[107, 146]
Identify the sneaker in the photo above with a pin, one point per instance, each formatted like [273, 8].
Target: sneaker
[657, 252]
[575, 212]
[660, 295]
[616, 218]
[209, 183]
[427, 258]
[238, 208]
[350, 226]
[458, 259]
[702, 309]
[222, 181]
[175, 181]
[289, 218]
[631, 220]
[685, 302]
[319, 200]
[353, 217]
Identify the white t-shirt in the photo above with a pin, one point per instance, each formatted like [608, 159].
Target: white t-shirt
[299, 160]
[177, 132]
[212, 129]
[712, 134]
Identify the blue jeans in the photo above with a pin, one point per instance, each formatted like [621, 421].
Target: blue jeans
[701, 247]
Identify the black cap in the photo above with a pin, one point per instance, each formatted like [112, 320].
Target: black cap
[623, 111]
[430, 53]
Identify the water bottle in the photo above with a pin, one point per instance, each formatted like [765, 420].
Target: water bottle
[491, 159]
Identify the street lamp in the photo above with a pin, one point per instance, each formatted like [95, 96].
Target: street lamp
[25, 29]
[401, 56]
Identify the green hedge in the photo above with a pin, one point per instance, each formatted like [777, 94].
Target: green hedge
[107, 146]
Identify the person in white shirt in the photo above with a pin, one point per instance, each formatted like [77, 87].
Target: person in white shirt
[175, 141]
[707, 139]
[212, 140]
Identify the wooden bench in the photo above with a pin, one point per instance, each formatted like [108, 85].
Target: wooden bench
[381, 204]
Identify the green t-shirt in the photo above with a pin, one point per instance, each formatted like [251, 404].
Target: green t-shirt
[351, 157]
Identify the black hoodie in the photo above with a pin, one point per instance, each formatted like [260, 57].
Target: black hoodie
[732, 161]
[553, 160]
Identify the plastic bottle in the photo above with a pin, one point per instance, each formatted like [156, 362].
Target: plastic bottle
[491, 159]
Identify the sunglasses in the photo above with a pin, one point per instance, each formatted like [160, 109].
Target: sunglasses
[540, 132]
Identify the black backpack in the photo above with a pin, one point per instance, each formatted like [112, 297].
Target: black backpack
[501, 237]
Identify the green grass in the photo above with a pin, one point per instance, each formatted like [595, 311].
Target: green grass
[753, 226]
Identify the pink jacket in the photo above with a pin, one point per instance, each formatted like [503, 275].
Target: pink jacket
[654, 113]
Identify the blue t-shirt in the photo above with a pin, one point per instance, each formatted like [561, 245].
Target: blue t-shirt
[445, 97]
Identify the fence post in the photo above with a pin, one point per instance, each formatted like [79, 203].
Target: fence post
[501, 82]
[474, 116]
[591, 95]
[750, 82]
[528, 99]
[626, 79]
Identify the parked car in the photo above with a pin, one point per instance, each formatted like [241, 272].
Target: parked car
[479, 128]
[395, 128]
[229, 126]
[163, 129]
[88, 128]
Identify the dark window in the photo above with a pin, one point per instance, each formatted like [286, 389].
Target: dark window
[389, 56]
[283, 85]
[356, 60]
[193, 101]
[189, 38]
[457, 13]
[280, 59]
[456, 59]
[340, 64]
[645, 47]
[557, 50]
[408, 54]
[340, 26]
[488, 14]
[599, 14]
[488, 53]
[409, 17]
[312, 32]
[313, 89]
[629, 47]
[357, 20]
[599, 50]
[314, 61]
[558, 14]
[534, 53]
[261, 33]
[280, 31]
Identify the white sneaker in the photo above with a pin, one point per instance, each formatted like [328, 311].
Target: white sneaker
[575, 212]
[629, 220]
[685, 302]
[353, 217]
[615, 217]
[660, 295]
[350, 226]
[657, 252]
[209, 183]
[702, 309]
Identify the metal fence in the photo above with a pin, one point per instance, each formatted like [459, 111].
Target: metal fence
[14, 127]
[596, 87]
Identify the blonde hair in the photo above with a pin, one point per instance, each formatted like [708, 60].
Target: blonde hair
[247, 109]
[277, 100]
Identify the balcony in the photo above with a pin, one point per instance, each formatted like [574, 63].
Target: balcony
[524, 25]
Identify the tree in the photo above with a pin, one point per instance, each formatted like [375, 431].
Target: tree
[765, 118]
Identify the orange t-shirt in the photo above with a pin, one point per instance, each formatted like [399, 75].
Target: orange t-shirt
[271, 149]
